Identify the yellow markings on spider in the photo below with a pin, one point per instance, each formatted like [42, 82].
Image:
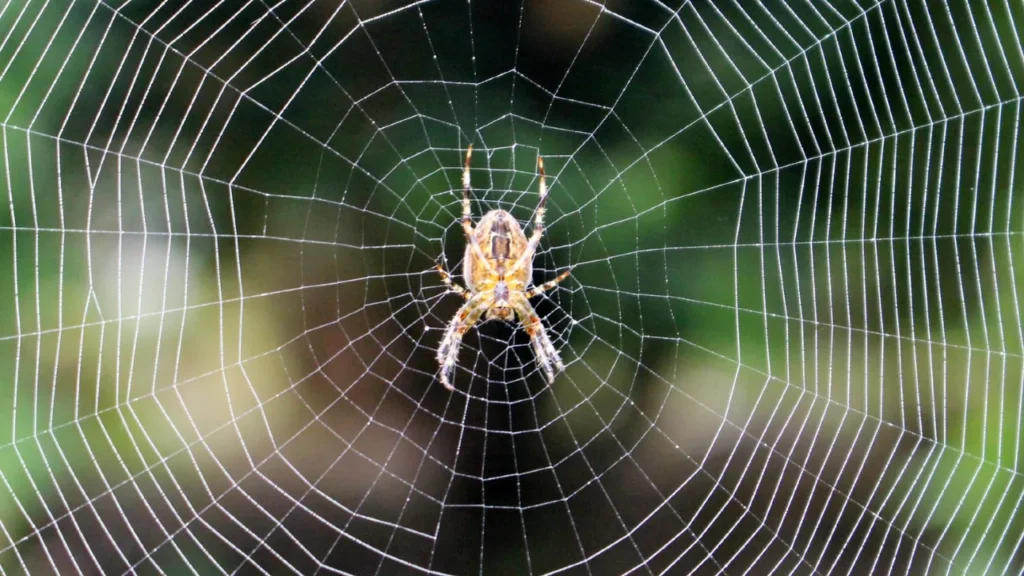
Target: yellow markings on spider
[497, 270]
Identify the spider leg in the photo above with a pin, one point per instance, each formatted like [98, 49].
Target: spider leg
[547, 285]
[467, 214]
[452, 286]
[448, 352]
[538, 222]
[547, 357]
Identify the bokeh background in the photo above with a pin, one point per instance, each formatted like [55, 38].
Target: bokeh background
[793, 326]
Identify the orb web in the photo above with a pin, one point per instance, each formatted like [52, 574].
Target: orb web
[792, 332]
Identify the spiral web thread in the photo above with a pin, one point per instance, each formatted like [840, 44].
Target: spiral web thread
[792, 332]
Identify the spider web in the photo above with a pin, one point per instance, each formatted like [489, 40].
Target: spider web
[792, 331]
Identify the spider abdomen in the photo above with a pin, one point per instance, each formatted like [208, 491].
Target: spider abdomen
[502, 241]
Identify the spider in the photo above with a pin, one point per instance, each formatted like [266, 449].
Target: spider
[497, 269]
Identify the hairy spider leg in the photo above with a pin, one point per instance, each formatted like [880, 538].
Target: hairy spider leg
[467, 214]
[452, 286]
[543, 349]
[547, 285]
[468, 315]
[538, 223]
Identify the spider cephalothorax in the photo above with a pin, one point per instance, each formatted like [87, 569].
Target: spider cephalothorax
[497, 269]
